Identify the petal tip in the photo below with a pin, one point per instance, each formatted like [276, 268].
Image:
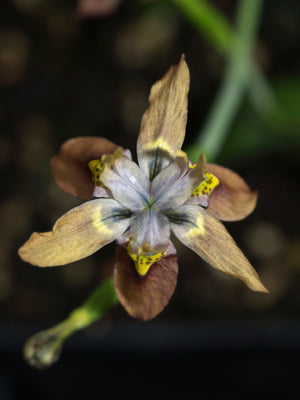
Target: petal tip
[259, 287]
[21, 253]
[27, 251]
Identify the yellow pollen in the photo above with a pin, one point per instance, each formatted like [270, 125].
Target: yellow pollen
[143, 261]
[96, 167]
[207, 186]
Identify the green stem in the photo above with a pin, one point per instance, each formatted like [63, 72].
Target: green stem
[43, 349]
[235, 81]
[100, 300]
[261, 93]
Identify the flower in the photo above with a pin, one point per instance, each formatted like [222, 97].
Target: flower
[139, 205]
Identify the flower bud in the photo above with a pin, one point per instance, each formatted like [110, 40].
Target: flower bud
[43, 349]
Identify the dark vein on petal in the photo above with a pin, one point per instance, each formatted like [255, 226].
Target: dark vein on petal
[180, 219]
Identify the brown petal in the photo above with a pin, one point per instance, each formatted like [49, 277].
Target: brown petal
[70, 166]
[232, 199]
[163, 124]
[144, 297]
[208, 237]
[77, 234]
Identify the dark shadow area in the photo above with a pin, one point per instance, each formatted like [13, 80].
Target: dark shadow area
[172, 361]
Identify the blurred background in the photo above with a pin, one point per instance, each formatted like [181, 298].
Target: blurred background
[85, 68]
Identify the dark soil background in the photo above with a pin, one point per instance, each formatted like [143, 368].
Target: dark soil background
[62, 76]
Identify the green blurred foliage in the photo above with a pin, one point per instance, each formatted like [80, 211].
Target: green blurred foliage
[256, 135]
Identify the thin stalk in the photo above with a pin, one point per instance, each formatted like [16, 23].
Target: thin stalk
[43, 349]
[235, 82]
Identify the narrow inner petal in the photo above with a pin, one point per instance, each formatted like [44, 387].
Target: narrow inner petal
[175, 184]
[149, 232]
[167, 178]
[128, 184]
[133, 175]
